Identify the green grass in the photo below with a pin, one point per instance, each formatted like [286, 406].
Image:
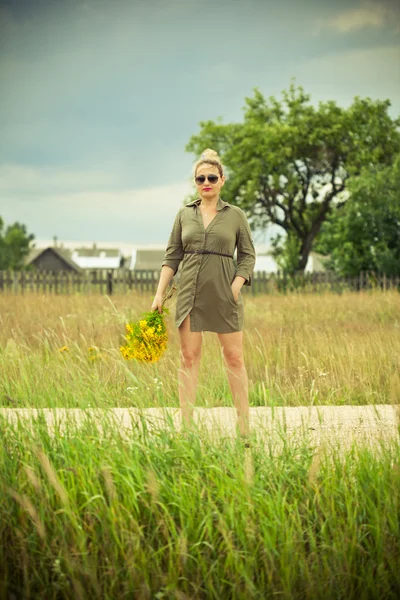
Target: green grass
[163, 516]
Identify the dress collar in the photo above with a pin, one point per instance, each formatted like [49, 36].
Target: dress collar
[220, 203]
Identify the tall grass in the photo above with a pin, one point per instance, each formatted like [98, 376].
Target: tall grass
[168, 517]
[299, 350]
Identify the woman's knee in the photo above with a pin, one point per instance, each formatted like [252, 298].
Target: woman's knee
[190, 357]
[234, 359]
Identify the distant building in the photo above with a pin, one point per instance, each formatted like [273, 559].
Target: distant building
[55, 258]
[88, 256]
[149, 258]
[315, 262]
[98, 258]
[265, 262]
[52, 259]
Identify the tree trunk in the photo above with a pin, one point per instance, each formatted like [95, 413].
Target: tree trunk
[306, 245]
[307, 241]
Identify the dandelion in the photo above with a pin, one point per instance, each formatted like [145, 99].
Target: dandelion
[63, 349]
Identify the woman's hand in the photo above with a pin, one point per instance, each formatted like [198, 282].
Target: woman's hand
[236, 286]
[235, 291]
[157, 303]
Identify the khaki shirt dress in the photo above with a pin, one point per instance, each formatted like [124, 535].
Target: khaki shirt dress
[204, 288]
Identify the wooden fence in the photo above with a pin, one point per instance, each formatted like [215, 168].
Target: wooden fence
[123, 281]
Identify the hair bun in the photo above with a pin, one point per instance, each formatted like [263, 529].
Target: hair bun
[210, 157]
[210, 154]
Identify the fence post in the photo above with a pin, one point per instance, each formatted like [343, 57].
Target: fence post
[109, 283]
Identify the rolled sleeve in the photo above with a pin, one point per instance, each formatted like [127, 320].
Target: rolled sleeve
[174, 251]
[246, 254]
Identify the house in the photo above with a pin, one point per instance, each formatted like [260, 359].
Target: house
[84, 256]
[98, 258]
[56, 258]
[147, 258]
[52, 259]
[265, 262]
[110, 255]
[315, 262]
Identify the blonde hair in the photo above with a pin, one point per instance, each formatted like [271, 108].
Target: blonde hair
[209, 157]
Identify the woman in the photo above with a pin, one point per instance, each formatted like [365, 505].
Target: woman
[204, 236]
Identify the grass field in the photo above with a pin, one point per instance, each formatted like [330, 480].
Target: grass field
[299, 350]
[163, 516]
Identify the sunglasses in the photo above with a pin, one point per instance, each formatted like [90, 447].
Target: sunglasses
[200, 179]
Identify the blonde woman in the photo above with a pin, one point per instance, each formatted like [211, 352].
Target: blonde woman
[204, 236]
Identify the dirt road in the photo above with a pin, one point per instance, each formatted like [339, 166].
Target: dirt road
[324, 425]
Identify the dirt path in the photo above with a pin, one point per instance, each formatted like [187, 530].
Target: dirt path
[324, 425]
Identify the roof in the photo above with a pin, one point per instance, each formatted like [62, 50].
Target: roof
[125, 247]
[147, 259]
[98, 252]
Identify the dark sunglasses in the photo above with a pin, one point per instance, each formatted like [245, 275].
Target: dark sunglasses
[201, 179]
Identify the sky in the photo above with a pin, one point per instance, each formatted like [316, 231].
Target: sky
[98, 99]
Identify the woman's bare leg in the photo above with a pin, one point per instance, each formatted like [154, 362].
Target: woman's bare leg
[232, 349]
[190, 354]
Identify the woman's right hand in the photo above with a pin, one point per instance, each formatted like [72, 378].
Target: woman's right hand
[157, 303]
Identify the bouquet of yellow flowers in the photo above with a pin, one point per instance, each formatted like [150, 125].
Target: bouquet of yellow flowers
[146, 340]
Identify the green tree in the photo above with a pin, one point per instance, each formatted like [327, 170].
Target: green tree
[14, 245]
[290, 163]
[365, 234]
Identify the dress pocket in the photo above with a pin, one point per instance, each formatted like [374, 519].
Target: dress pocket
[232, 296]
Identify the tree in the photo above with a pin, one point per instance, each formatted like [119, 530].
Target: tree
[365, 234]
[290, 163]
[14, 245]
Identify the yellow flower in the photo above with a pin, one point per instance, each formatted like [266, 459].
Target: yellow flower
[63, 349]
[147, 342]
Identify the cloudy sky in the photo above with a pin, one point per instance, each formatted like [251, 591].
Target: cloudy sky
[99, 98]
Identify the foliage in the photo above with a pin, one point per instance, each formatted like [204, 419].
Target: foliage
[286, 254]
[290, 162]
[14, 245]
[364, 235]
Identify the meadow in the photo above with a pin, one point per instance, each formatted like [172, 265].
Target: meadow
[159, 515]
[63, 351]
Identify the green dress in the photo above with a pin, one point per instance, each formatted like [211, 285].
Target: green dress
[204, 288]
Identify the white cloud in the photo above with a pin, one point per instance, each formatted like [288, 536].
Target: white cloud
[85, 205]
[372, 73]
[48, 180]
[369, 14]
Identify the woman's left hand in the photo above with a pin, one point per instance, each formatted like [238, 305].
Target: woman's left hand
[235, 291]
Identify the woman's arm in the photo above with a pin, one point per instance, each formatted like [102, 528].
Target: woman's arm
[174, 252]
[172, 257]
[246, 254]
